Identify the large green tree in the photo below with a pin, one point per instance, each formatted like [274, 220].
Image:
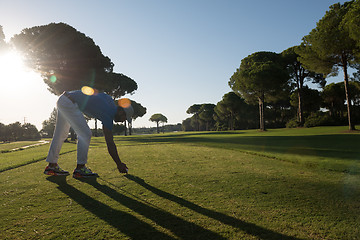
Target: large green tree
[139, 111]
[329, 47]
[186, 125]
[66, 58]
[298, 76]
[3, 132]
[226, 109]
[48, 126]
[260, 75]
[118, 84]
[30, 132]
[231, 108]
[15, 131]
[158, 117]
[207, 115]
[333, 99]
[351, 23]
[311, 100]
[195, 110]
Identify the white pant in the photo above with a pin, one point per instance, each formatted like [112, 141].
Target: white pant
[69, 114]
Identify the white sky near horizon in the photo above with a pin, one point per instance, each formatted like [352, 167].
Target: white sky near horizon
[180, 53]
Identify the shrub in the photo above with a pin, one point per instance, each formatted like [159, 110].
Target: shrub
[293, 123]
[318, 119]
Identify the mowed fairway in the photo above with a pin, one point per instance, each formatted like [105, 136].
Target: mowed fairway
[279, 184]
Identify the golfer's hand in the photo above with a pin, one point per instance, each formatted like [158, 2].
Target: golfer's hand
[122, 168]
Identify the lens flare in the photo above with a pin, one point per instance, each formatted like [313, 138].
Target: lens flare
[124, 102]
[53, 78]
[88, 90]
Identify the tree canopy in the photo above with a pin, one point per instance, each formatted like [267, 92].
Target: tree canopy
[158, 117]
[139, 110]
[195, 110]
[18, 132]
[231, 109]
[299, 75]
[66, 58]
[261, 75]
[329, 47]
[207, 114]
[118, 84]
[48, 126]
[351, 23]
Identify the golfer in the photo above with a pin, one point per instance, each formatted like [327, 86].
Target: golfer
[70, 109]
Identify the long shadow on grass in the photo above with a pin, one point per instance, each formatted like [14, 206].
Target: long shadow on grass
[178, 226]
[340, 146]
[249, 228]
[122, 221]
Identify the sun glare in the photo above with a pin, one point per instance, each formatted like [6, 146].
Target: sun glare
[89, 90]
[124, 102]
[10, 64]
[14, 75]
[23, 91]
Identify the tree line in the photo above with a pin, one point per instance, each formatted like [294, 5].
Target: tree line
[270, 90]
[18, 132]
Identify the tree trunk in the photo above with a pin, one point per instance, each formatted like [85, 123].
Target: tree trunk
[348, 99]
[197, 122]
[261, 112]
[157, 127]
[130, 128]
[96, 128]
[300, 83]
[125, 128]
[232, 121]
[300, 108]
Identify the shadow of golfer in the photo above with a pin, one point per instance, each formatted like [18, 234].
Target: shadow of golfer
[249, 228]
[122, 221]
[178, 226]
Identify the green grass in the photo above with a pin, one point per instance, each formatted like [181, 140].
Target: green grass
[330, 148]
[279, 184]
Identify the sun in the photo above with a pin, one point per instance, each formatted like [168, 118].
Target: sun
[11, 63]
[15, 77]
[14, 74]
[22, 90]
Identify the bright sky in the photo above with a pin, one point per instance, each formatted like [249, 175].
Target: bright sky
[180, 53]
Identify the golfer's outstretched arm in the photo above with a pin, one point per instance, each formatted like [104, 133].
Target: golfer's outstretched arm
[109, 138]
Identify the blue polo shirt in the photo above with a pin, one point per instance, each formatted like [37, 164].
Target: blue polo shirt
[100, 106]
